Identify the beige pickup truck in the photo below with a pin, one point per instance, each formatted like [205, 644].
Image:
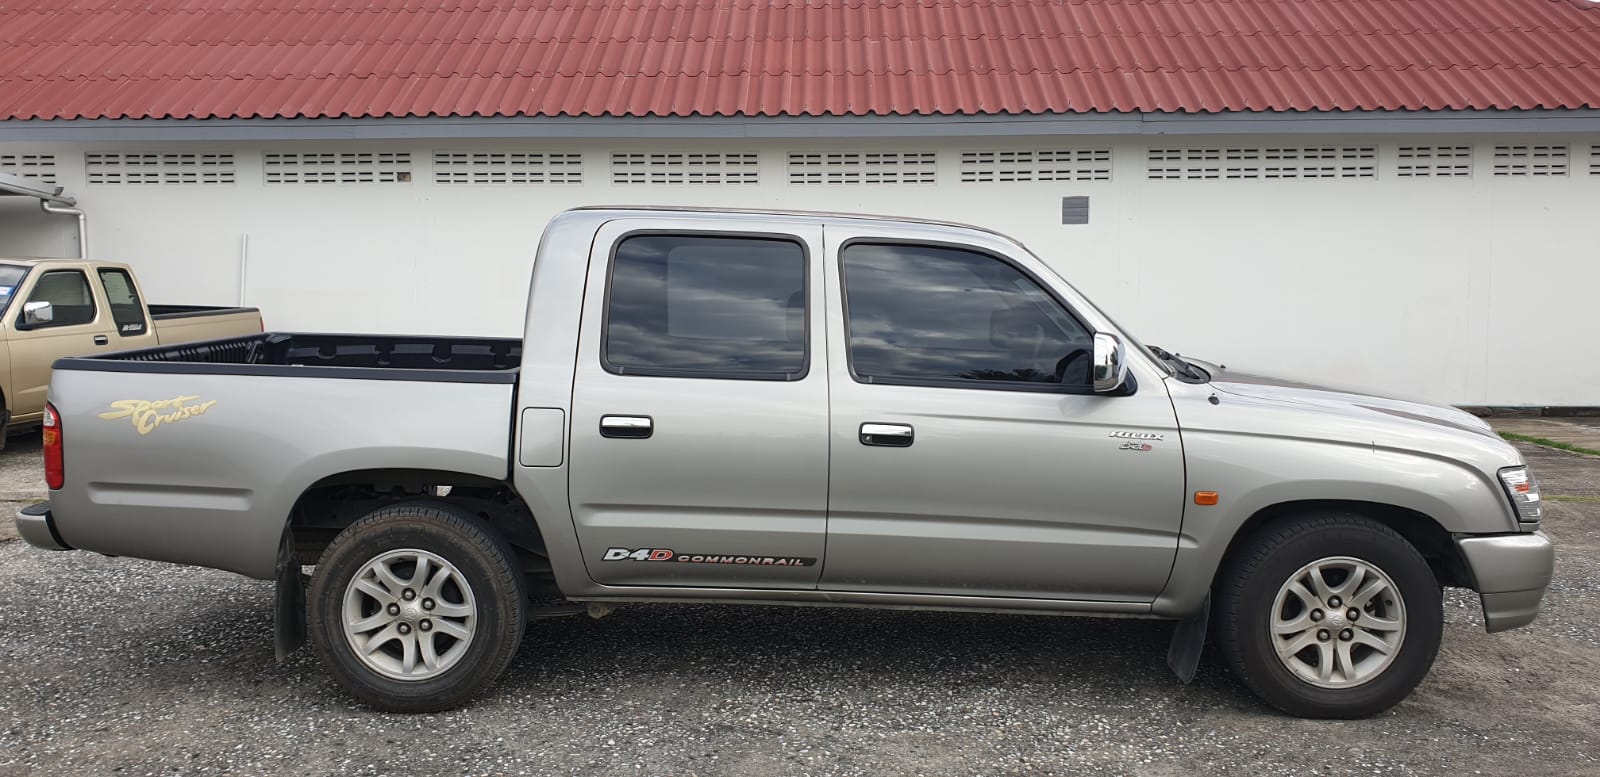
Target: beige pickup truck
[52, 308]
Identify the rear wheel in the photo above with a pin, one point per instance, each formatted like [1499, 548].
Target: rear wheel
[1330, 616]
[417, 608]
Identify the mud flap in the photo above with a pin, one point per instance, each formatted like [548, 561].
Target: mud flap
[289, 605]
[1188, 638]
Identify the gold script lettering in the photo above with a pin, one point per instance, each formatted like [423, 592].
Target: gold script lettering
[146, 414]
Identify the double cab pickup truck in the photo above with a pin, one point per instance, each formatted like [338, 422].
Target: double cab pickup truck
[53, 308]
[792, 409]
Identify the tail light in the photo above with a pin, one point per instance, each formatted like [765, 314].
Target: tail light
[55, 474]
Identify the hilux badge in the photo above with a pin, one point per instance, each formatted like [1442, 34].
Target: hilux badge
[1139, 435]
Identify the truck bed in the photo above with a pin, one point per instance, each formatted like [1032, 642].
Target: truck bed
[394, 357]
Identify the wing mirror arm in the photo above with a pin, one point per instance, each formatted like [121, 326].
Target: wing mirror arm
[1110, 366]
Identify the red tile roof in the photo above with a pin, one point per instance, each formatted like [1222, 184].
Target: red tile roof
[318, 58]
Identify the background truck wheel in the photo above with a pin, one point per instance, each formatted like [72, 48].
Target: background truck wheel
[417, 608]
[1329, 616]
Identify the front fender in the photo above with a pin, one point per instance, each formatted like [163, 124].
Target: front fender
[1252, 473]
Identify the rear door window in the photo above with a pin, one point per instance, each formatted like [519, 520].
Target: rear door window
[126, 308]
[71, 301]
[707, 307]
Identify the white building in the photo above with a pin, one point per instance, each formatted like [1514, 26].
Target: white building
[1449, 254]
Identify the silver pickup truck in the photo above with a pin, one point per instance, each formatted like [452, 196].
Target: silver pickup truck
[795, 409]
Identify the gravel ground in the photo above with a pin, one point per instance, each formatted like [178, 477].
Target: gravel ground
[122, 666]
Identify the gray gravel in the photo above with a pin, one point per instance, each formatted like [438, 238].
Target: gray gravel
[122, 666]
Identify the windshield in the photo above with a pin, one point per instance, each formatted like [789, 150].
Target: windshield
[11, 276]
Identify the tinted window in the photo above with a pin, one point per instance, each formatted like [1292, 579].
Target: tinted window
[68, 293]
[707, 306]
[924, 314]
[126, 309]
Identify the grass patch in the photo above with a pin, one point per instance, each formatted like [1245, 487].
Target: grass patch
[1550, 443]
[1557, 498]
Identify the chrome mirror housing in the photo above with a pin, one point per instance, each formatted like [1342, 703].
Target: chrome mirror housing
[36, 313]
[1110, 367]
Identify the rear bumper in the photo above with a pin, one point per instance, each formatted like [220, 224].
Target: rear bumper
[36, 525]
[1510, 573]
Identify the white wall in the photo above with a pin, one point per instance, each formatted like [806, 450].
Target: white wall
[1475, 290]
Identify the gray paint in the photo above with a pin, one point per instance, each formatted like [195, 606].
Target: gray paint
[1074, 210]
[807, 127]
[1066, 518]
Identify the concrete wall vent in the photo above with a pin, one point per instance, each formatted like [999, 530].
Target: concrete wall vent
[456, 167]
[1434, 162]
[670, 168]
[39, 167]
[1526, 161]
[863, 167]
[121, 169]
[344, 167]
[1042, 165]
[1262, 162]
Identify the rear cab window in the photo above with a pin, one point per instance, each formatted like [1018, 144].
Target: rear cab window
[700, 306]
[127, 310]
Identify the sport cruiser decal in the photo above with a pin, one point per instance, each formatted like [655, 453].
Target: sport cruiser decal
[665, 554]
[148, 414]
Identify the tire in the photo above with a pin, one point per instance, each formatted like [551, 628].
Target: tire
[468, 607]
[1260, 609]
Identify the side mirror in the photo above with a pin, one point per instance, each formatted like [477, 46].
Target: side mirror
[36, 313]
[1110, 366]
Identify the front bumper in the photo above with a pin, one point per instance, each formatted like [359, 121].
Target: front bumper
[1510, 572]
[36, 525]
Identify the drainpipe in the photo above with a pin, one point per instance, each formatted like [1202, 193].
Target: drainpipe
[83, 224]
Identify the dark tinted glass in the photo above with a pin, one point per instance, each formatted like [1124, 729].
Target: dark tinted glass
[926, 314]
[711, 306]
[68, 293]
[124, 298]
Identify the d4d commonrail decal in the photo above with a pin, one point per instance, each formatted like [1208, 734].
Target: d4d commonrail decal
[668, 555]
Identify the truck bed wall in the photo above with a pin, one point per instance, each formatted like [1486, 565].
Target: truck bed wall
[214, 485]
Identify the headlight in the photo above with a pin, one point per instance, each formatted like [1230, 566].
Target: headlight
[1524, 492]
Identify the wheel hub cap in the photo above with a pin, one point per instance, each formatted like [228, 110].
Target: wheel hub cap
[409, 614]
[1338, 622]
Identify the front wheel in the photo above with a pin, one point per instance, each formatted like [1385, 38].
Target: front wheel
[1330, 616]
[416, 608]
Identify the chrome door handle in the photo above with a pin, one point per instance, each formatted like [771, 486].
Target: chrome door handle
[626, 427]
[887, 435]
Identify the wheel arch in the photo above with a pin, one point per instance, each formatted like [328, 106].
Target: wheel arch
[1430, 538]
[327, 506]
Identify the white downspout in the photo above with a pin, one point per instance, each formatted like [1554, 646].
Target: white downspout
[83, 224]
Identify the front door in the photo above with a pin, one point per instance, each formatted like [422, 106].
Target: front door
[58, 318]
[699, 442]
[969, 455]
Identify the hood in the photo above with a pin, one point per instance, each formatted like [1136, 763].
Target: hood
[1337, 401]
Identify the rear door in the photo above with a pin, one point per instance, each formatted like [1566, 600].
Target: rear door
[129, 319]
[699, 442]
[60, 316]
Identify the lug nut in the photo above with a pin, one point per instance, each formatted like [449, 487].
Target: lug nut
[425, 625]
[408, 594]
[1322, 634]
[392, 609]
[404, 629]
[1354, 613]
[1334, 602]
[1316, 615]
[427, 604]
[1346, 635]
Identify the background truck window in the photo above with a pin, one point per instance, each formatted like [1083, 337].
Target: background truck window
[695, 306]
[68, 293]
[126, 309]
[924, 314]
